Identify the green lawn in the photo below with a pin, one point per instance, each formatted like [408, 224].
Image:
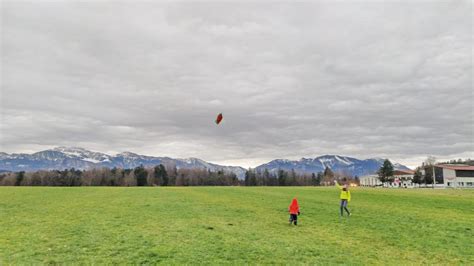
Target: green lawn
[218, 225]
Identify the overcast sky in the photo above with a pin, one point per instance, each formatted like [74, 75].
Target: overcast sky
[354, 78]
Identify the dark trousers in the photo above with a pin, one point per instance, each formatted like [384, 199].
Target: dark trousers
[344, 207]
[293, 218]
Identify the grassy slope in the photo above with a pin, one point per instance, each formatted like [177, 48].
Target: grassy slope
[172, 225]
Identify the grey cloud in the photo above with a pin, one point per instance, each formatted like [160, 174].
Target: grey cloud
[303, 79]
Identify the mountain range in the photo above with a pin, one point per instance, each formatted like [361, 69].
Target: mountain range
[340, 164]
[79, 158]
[68, 157]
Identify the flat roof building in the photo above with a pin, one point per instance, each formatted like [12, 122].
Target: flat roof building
[452, 175]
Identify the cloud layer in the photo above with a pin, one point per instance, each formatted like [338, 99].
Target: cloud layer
[302, 79]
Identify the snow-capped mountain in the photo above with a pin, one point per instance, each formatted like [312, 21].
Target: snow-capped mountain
[80, 153]
[68, 157]
[341, 164]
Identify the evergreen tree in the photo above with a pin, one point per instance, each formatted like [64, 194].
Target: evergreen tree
[319, 178]
[417, 177]
[428, 178]
[282, 177]
[140, 175]
[157, 175]
[164, 175]
[385, 172]
[19, 177]
[253, 178]
[247, 178]
[314, 180]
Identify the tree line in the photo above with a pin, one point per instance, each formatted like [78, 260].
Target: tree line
[138, 176]
[161, 175]
[468, 161]
[293, 178]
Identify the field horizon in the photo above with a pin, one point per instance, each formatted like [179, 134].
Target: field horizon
[216, 225]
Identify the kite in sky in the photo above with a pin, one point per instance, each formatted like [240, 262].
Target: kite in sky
[219, 118]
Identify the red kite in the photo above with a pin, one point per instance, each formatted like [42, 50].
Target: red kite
[219, 118]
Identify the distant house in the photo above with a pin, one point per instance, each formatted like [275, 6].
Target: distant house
[370, 181]
[401, 178]
[452, 175]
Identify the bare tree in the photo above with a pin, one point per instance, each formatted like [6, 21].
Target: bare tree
[430, 162]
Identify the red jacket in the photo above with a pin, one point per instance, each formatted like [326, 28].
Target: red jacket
[294, 207]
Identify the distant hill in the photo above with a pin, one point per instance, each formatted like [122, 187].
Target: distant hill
[68, 157]
[341, 164]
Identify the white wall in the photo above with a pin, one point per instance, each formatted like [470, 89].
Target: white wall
[370, 180]
[451, 180]
[407, 182]
[449, 177]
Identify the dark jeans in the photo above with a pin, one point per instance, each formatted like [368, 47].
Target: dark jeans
[344, 207]
[294, 218]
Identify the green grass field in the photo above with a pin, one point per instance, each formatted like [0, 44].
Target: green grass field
[218, 225]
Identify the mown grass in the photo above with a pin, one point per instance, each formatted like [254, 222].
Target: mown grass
[236, 225]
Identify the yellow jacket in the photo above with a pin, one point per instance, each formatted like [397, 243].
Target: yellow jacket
[344, 194]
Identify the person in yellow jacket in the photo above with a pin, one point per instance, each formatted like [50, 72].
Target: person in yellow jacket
[345, 198]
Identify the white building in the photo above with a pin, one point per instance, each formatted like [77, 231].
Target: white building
[453, 175]
[370, 181]
[401, 178]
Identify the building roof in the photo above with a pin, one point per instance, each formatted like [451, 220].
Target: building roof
[456, 166]
[403, 172]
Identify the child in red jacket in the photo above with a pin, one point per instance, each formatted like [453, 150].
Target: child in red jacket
[294, 210]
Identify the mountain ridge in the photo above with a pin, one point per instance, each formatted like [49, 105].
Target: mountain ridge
[337, 163]
[60, 158]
